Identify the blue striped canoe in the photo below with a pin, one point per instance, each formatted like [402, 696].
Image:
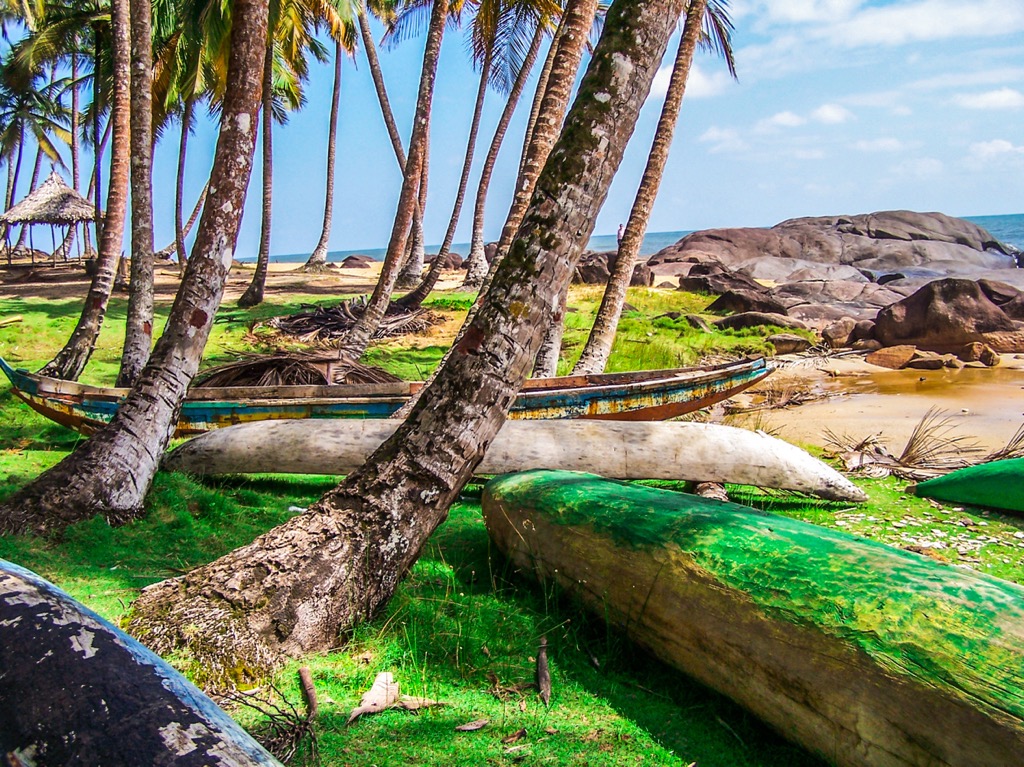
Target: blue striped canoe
[651, 395]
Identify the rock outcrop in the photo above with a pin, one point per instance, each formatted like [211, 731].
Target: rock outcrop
[595, 269]
[875, 244]
[945, 315]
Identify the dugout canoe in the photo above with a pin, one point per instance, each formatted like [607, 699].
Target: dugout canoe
[996, 484]
[862, 653]
[650, 395]
[625, 450]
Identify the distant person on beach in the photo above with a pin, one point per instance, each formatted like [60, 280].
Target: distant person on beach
[618, 237]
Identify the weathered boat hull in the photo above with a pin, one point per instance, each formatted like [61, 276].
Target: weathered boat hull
[646, 395]
[864, 654]
[677, 450]
[76, 690]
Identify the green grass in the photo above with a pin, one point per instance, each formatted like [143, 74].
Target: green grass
[460, 615]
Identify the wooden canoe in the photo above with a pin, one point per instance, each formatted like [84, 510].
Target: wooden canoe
[862, 653]
[625, 450]
[997, 484]
[650, 395]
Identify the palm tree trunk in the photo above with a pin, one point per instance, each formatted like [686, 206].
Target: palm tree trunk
[250, 607]
[139, 331]
[546, 364]
[572, 39]
[377, 75]
[31, 187]
[179, 183]
[110, 473]
[415, 298]
[412, 269]
[253, 294]
[70, 361]
[476, 271]
[97, 164]
[75, 169]
[542, 87]
[12, 178]
[318, 260]
[166, 251]
[359, 335]
[602, 335]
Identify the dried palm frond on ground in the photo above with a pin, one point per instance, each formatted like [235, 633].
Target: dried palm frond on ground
[816, 356]
[324, 325]
[292, 369]
[777, 394]
[931, 450]
[283, 728]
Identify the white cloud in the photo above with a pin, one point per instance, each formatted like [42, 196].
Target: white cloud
[699, 84]
[803, 11]
[988, 150]
[905, 22]
[880, 145]
[1003, 98]
[785, 119]
[723, 139]
[831, 114]
[967, 79]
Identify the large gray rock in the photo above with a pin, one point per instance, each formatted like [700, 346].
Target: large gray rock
[880, 243]
[944, 316]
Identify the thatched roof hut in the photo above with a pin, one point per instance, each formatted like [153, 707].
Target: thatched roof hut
[53, 202]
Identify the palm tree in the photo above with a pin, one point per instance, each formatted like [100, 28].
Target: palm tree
[701, 13]
[110, 473]
[359, 539]
[290, 37]
[139, 330]
[359, 335]
[70, 361]
[476, 269]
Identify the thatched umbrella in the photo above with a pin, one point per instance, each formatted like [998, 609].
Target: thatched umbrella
[53, 202]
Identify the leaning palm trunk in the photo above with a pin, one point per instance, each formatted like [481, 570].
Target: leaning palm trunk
[179, 184]
[546, 364]
[538, 94]
[294, 589]
[412, 268]
[416, 297]
[111, 472]
[171, 249]
[377, 75]
[359, 335]
[602, 334]
[70, 361]
[476, 271]
[571, 39]
[318, 258]
[139, 332]
[253, 294]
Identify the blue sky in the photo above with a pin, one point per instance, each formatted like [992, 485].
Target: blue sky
[842, 106]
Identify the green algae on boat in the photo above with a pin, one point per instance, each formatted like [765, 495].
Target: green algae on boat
[863, 653]
[998, 484]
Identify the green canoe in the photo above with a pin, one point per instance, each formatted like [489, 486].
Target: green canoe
[998, 484]
[862, 653]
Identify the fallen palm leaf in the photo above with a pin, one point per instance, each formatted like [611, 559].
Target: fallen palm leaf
[517, 735]
[381, 695]
[476, 724]
[931, 450]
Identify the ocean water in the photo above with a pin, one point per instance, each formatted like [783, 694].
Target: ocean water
[1008, 229]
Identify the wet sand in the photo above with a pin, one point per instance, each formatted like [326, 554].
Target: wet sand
[986, 405]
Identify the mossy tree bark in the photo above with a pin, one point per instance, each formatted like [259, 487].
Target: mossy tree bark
[111, 472]
[599, 343]
[70, 361]
[139, 332]
[295, 588]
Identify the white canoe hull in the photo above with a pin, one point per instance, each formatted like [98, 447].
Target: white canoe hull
[622, 450]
